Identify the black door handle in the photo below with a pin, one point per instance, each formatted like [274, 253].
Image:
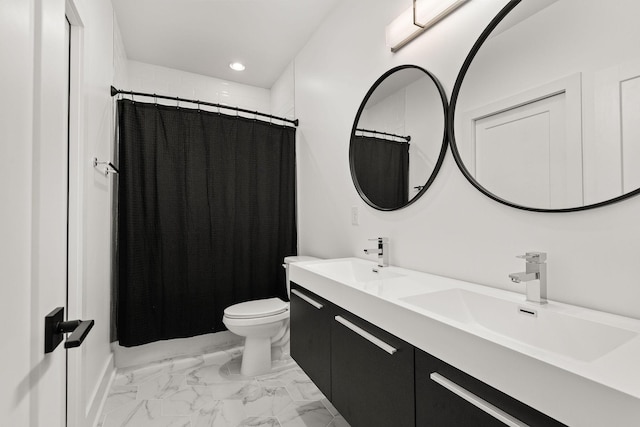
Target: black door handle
[55, 327]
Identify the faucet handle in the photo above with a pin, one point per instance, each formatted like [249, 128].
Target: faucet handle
[380, 239]
[534, 257]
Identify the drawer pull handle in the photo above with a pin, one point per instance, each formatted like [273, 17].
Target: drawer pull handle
[307, 299]
[366, 335]
[478, 402]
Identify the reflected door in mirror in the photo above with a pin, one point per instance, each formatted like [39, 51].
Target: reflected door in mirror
[564, 75]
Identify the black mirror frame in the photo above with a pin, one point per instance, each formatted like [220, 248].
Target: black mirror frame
[443, 147]
[451, 122]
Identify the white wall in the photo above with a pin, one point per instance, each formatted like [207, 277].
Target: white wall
[453, 230]
[101, 60]
[167, 81]
[283, 94]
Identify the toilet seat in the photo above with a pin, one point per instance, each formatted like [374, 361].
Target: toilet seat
[256, 309]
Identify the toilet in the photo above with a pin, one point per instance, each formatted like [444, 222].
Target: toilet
[261, 322]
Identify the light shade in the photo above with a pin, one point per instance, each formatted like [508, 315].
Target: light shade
[417, 19]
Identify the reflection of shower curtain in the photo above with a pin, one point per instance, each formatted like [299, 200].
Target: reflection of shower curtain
[382, 169]
[206, 215]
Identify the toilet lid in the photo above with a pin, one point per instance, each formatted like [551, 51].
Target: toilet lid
[256, 308]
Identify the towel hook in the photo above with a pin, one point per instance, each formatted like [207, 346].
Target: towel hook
[108, 166]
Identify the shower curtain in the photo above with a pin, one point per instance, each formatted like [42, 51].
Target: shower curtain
[206, 214]
[382, 168]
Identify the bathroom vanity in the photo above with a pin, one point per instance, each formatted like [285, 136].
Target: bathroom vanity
[391, 346]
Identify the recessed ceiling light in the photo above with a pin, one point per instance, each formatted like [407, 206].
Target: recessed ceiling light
[237, 66]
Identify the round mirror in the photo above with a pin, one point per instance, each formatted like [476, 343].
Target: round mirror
[545, 113]
[398, 140]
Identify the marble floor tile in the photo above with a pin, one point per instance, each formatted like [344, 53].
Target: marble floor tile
[267, 401]
[219, 413]
[140, 375]
[327, 404]
[207, 375]
[147, 413]
[297, 383]
[185, 364]
[304, 389]
[234, 390]
[160, 386]
[209, 391]
[260, 422]
[119, 396]
[305, 414]
[339, 422]
[187, 401]
[283, 376]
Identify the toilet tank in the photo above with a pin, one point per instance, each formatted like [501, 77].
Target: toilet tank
[290, 260]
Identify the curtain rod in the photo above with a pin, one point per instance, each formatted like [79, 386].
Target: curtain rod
[115, 91]
[406, 138]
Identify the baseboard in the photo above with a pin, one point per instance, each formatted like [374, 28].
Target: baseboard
[100, 392]
[160, 350]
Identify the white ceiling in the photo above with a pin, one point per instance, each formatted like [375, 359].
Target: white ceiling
[204, 36]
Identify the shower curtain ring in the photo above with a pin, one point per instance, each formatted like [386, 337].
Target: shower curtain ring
[131, 92]
[178, 102]
[198, 102]
[155, 99]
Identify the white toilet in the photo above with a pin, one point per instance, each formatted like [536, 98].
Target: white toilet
[260, 321]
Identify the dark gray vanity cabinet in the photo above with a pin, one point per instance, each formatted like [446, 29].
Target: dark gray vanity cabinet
[444, 397]
[311, 336]
[372, 374]
[375, 379]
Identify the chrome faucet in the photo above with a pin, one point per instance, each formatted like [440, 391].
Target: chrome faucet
[382, 251]
[535, 277]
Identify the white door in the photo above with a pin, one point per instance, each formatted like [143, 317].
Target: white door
[516, 153]
[612, 151]
[50, 209]
[528, 148]
[33, 219]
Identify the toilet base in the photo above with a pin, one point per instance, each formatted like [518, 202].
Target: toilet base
[256, 357]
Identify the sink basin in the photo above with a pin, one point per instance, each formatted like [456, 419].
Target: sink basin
[540, 327]
[354, 271]
[366, 276]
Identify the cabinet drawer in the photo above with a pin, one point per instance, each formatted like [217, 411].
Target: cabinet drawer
[446, 396]
[310, 336]
[372, 374]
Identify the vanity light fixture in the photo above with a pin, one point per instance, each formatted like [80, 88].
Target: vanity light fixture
[237, 66]
[422, 15]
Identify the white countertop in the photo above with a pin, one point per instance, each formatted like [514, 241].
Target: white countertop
[576, 392]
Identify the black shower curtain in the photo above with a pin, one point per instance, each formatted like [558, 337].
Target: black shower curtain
[206, 215]
[382, 168]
